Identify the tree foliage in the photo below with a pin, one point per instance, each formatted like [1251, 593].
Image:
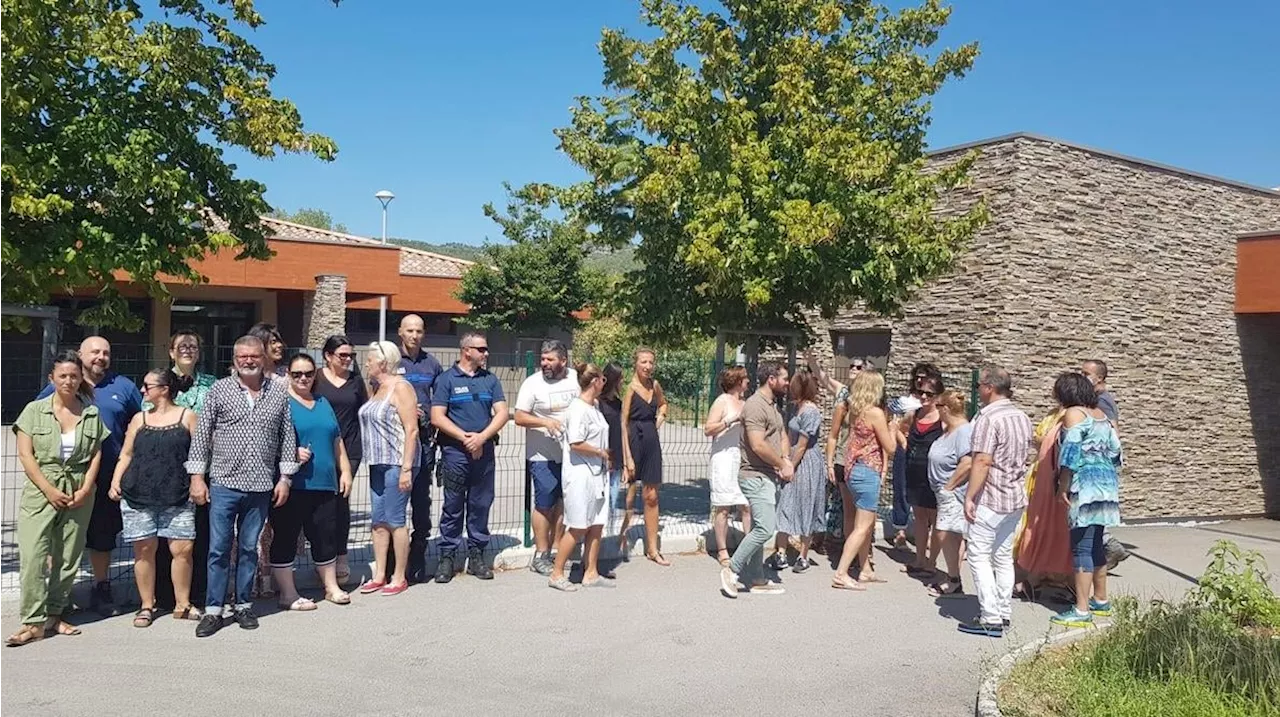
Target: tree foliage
[311, 217]
[115, 128]
[769, 158]
[537, 280]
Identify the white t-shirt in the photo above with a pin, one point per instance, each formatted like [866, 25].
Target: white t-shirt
[545, 400]
[584, 423]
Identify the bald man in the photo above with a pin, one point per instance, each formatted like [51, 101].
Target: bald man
[420, 369]
[117, 399]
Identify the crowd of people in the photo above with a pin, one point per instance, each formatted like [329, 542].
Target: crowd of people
[214, 482]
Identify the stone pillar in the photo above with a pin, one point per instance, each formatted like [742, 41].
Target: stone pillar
[324, 311]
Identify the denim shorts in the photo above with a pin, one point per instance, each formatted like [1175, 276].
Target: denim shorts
[390, 504]
[547, 488]
[176, 522]
[1088, 549]
[864, 484]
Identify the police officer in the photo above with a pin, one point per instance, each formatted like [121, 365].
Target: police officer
[420, 369]
[469, 409]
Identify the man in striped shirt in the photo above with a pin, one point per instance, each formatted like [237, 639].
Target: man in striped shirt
[996, 499]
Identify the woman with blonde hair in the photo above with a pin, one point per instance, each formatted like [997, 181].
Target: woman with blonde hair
[724, 428]
[867, 459]
[644, 410]
[949, 464]
[389, 436]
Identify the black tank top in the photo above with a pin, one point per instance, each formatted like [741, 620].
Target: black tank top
[918, 443]
[156, 477]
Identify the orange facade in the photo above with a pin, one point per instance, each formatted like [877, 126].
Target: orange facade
[1258, 273]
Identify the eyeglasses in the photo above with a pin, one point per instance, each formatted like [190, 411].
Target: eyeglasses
[481, 349]
[303, 374]
[186, 349]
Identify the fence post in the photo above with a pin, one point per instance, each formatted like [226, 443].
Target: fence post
[973, 394]
[529, 367]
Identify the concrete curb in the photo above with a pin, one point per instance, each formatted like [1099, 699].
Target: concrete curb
[519, 558]
[987, 704]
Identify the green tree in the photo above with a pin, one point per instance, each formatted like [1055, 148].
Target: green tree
[537, 280]
[769, 159]
[308, 216]
[113, 148]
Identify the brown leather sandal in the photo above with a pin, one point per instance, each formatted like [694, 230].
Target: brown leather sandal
[27, 635]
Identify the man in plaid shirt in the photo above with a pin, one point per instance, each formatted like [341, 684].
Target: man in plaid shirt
[996, 499]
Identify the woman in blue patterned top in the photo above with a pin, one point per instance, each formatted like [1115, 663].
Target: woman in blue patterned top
[1089, 484]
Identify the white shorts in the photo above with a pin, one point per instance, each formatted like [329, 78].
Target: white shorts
[950, 511]
[586, 500]
[725, 490]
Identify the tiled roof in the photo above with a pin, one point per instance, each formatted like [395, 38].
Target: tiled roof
[415, 262]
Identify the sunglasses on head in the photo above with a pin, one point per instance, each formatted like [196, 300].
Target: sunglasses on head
[303, 374]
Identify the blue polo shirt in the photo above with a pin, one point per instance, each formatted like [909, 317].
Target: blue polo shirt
[421, 372]
[117, 399]
[469, 399]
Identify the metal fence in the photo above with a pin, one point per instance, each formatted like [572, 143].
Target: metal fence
[688, 382]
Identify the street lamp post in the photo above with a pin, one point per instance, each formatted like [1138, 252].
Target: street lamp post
[385, 197]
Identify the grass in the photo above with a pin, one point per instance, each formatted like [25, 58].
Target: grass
[1216, 654]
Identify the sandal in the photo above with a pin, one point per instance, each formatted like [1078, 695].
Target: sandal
[338, 598]
[58, 626]
[189, 612]
[299, 605]
[657, 558]
[144, 617]
[724, 562]
[845, 584]
[951, 587]
[27, 635]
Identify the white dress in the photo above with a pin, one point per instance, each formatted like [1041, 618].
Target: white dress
[726, 459]
[585, 481]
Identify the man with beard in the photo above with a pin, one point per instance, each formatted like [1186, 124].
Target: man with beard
[245, 443]
[540, 408]
[117, 399]
[420, 369]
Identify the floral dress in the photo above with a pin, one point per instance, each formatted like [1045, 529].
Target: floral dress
[1091, 449]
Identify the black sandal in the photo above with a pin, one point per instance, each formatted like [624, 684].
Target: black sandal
[951, 587]
[144, 617]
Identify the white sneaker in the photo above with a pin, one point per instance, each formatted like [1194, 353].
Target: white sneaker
[768, 589]
[728, 583]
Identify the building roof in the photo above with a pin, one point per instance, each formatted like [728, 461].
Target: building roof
[414, 262]
[1104, 153]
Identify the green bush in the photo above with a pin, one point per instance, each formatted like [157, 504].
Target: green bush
[1235, 586]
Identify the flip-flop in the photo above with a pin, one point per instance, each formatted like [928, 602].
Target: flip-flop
[843, 585]
[299, 605]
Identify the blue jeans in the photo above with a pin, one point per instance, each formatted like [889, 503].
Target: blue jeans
[1088, 548]
[901, 515]
[228, 509]
[468, 492]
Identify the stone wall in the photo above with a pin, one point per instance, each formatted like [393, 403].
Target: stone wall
[324, 311]
[1091, 256]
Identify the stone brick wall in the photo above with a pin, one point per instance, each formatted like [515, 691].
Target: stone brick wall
[1091, 256]
[324, 311]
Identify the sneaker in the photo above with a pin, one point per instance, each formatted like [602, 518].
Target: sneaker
[245, 618]
[767, 589]
[1007, 623]
[802, 564]
[1101, 609]
[478, 566]
[101, 600]
[542, 563]
[209, 625]
[444, 569]
[981, 628]
[777, 561]
[728, 583]
[1072, 618]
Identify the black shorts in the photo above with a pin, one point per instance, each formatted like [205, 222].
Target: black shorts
[310, 512]
[105, 522]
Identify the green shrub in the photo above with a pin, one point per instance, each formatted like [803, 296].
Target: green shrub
[1235, 585]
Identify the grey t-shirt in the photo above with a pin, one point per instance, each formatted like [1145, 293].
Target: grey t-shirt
[1107, 404]
[946, 452]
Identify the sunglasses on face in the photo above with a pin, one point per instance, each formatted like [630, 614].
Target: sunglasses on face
[345, 355]
[303, 374]
[923, 393]
[149, 386]
[481, 349]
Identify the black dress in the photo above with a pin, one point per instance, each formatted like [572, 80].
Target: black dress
[646, 450]
[919, 492]
[612, 410]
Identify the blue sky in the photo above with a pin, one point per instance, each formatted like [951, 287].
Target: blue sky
[442, 102]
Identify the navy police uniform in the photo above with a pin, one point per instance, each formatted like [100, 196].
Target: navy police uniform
[468, 482]
[421, 372]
